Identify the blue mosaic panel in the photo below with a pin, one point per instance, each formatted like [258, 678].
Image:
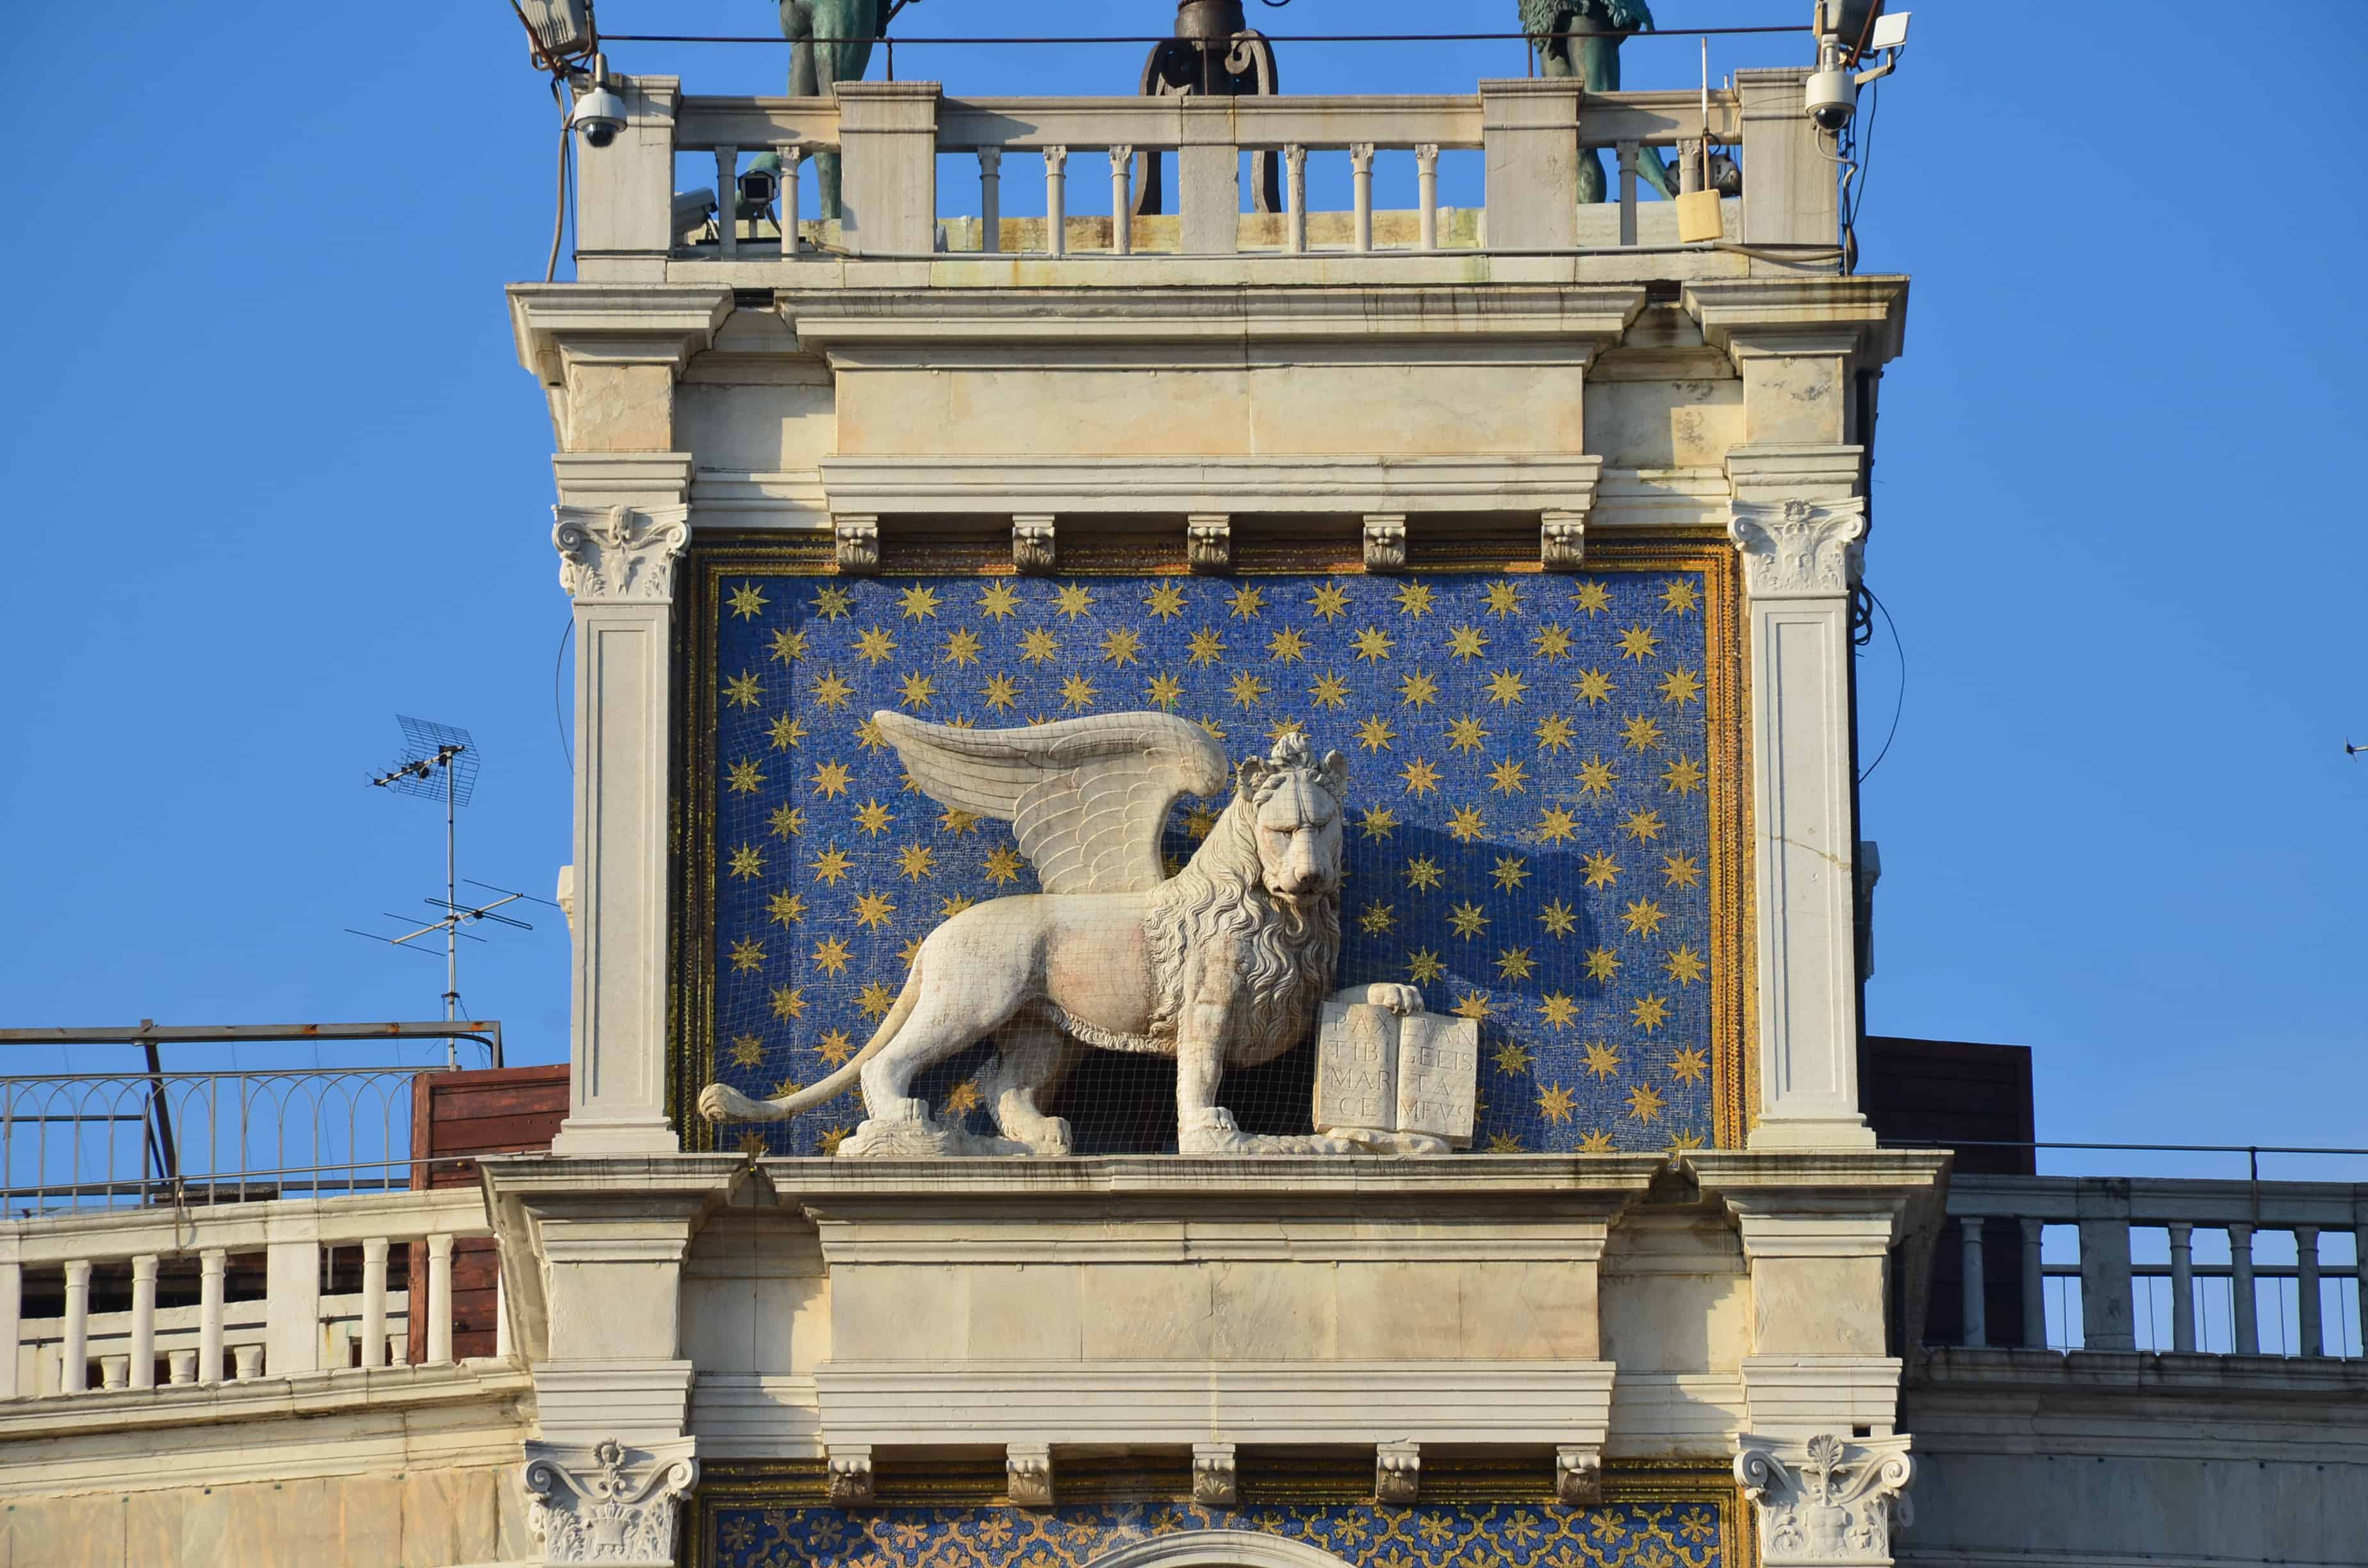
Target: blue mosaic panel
[1528, 836]
[1618, 1535]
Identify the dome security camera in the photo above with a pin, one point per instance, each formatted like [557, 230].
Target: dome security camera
[1832, 99]
[600, 114]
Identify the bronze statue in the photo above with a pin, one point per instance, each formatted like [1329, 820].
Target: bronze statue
[845, 29]
[1216, 53]
[1582, 38]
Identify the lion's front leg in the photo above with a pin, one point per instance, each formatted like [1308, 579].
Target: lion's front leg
[1202, 1126]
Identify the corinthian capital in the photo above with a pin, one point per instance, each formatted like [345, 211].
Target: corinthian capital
[1799, 548]
[619, 553]
[608, 1504]
[1828, 1501]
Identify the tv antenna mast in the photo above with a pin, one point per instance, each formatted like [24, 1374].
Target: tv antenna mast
[440, 761]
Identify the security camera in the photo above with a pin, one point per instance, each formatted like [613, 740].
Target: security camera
[1833, 99]
[600, 114]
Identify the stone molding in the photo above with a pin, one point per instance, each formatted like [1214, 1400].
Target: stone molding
[1865, 315]
[1800, 549]
[608, 1504]
[1828, 1501]
[559, 326]
[620, 554]
[1217, 1549]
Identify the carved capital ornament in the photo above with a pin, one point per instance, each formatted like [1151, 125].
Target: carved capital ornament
[619, 554]
[609, 1504]
[1830, 1502]
[1798, 550]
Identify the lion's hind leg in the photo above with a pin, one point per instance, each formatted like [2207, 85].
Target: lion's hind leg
[1034, 1057]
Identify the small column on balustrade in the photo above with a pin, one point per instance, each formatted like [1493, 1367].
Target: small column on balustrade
[1056, 200]
[74, 1364]
[2183, 1288]
[2244, 1321]
[2034, 1284]
[210, 1265]
[727, 202]
[373, 1329]
[1294, 199]
[1121, 163]
[790, 152]
[143, 1321]
[1976, 1306]
[990, 199]
[1361, 163]
[12, 1323]
[440, 1299]
[2312, 1337]
[1629, 152]
[1426, 173]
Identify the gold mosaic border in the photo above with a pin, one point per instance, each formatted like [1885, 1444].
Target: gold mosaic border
[690, 1006]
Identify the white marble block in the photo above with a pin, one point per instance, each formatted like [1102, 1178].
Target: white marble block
[1377, 1071]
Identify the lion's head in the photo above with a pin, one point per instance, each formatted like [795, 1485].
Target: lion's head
[1294, 818]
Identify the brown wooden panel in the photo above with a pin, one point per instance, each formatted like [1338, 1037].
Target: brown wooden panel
[1956, 1094]
[511, 1110]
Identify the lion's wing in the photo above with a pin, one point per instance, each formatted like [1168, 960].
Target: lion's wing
[1086, 798]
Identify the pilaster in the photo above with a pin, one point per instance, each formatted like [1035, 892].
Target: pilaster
[609, 1503]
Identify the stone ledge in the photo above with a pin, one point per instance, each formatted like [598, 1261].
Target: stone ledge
[1957, 1370]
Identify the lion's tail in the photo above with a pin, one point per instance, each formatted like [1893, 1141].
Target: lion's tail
[838, 1083]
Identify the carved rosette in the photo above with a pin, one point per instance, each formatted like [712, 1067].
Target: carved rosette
[1386, 543]
[607, 1504]
[619, 554]
[1209, 543]
[1830, 1502]
[1798, 550]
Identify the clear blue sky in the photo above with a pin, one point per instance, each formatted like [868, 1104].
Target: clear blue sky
[276, 475]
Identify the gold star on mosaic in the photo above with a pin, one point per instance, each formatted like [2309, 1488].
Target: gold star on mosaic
[1511, 873]
[917, 861]
[787, 733]
[1639, 643]
[1555, 1103]
[1072, 600]
[747, 1050]
[1473, 1004]
[1556, 825]
[1121, 647]
[868, 735]
[833, 604]
[1506, 687]
[1551, 642]
[1515, 963]
[1038, 646]
[832, 865]
[1593, 687]
[1682, 686]
[1650, 1013]
[1645, 1103]
[953, 904]
[1374, 644]
[1466, 734]
[827, 1145]
[872, 817]
[1423, 873]
[1165, 601]
[1282, 727]
[1287, 646]
[830, 956]
[1421, 778]
[789, 645]
[998, 602]
[1216, 731]
[1602, 963]
[1679, 595]
[1602, 868]
[1513, 1058]
[1508, 778]
[1681, 871]
[956, 820]
[1554, 734]
[1504, 599]
[917, 603]
[1504, 1144]
[747, 861]
[1643, 918]
[1423, 966]
[834, 1047]
[830, 779]
[1641, 734]
[874, 910]
[747, 601]
[1247, 690]
[1414, 598]
[1001, 694]
[1467, 642]
[789, 1002]
[915, 692]
[1206, 647]
[743, 691]
[1467, 920]
[1558, 1010]
[745, 778]
[1163, 692]
[1643, 826]
[1077, 693]
[1683, 777]
[1466, 825]
[1690, 1064]
[1379, 821]
[1596, 776]
[1559, 918]
[1004, 865]
[875, 647]
[787, 908]
[747, 954]
[1249, 602]
[1418, 690]
[1330, 601]
[832, 690]
[1684, 965]
[961, 648]
[876, 999]
[1603, 1059]
[1378, 919]
[1329, 690]
[965, 1098]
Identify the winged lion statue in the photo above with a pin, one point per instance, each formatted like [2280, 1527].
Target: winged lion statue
[1223, 965]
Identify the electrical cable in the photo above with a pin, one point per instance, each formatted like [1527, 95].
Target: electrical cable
[1146, 38]
[558, 694]
[1899, 704]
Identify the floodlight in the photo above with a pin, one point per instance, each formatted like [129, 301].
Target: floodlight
[558, 29]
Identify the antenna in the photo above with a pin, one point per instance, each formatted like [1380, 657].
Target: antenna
[440, 761]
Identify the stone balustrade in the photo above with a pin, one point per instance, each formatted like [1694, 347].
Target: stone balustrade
[1998, 1225]
[890, 137]
[305, 1319]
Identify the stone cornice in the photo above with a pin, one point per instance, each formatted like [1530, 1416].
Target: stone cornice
[1866, 317]
[559, 325]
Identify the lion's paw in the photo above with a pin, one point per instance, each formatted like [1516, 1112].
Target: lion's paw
[1403, 1000]
[908, 1138]
[1214, 1132]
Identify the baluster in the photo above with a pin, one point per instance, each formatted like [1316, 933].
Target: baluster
[250, 1362]
[143, 1321]
[727, 201]
[1628, 151]
[183, 1367]
[1360, 161]
[1977, 1333]
[2035, 1284]
[2306, 1304]
[990, 199]
[1056, 200]
[440, 1299]
[373, 1328]
[114, 1373]
[1294, 199]
[1426, 172]
[12, 1320]
[2108, 1321]
[210, 1262]
[2183, 1288]
[2245, 1336]
[789, 151]
[73, 1365]
[1121, 201]
[2360, 1281]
